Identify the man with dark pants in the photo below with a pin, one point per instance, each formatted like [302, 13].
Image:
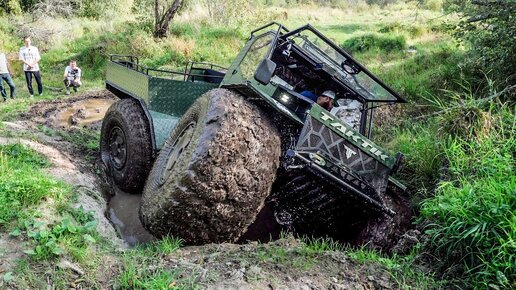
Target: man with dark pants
[5, 75]
[30, 56]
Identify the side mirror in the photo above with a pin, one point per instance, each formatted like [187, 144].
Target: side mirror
[265, 71]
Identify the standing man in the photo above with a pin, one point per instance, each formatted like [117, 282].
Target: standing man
[30, 56]
[72, 76]
[6, 75]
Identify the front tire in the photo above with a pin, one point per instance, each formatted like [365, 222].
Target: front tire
[125, 145]
[214, 172]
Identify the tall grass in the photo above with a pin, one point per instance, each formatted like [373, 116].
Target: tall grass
[471, 221]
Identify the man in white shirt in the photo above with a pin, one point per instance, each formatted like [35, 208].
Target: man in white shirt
[72, 76]
[6, 75]
[30, 56]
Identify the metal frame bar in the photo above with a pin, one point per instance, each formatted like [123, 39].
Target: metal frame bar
[348, 56]
[321, 170]
[146, 70]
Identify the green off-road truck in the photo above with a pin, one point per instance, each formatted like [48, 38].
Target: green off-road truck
[214, 148]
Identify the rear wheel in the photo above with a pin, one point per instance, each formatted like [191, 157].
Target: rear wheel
[125, 145]
[214, 172]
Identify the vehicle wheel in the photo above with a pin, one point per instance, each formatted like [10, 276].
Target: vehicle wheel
[125, 145]
[307, 204]
[383, 232]
[214, 172]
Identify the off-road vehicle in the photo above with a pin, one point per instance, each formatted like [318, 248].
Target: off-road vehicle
[213, 147]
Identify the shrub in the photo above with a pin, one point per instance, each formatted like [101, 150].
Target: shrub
[366, 42]
[489, 27]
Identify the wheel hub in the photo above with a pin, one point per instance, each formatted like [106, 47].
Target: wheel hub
[180, 144]
[117, 148]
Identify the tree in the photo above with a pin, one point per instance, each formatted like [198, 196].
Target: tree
[164, 12]
[489, 27]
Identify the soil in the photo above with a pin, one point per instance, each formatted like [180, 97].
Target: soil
[266, 266]
[276, 265]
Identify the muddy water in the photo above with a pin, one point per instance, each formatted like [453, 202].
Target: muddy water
[83, 112]
[123, 213]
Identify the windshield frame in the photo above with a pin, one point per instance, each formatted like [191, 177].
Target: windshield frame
[289, 36]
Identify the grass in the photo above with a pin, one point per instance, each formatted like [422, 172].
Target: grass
[23, 185]
[137, 272]
[54, 231]
[471, 219]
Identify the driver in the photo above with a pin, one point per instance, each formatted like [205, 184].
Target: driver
[326, 99]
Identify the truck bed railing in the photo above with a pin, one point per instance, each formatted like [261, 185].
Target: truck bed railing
[207, 73]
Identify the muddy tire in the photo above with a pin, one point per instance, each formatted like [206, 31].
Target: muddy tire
[214, 172]
[383, 232]
[125, 145]
[306, 204]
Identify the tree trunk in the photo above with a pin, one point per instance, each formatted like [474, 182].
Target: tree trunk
[163, 16]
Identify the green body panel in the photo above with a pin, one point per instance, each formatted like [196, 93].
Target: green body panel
[166, 99]
[132, 82]
[348, 133]
[163, 126]
[173, 97]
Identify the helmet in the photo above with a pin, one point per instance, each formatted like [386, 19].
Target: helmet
[329, 94]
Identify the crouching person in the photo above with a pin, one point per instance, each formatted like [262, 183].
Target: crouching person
[72, 77]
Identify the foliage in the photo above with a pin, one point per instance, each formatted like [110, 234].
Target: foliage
[137, 275]
[386, 43]
[489, 27]
[423, 158]
[22, 185]
[164, 12]
[53, 240]
[471, 220]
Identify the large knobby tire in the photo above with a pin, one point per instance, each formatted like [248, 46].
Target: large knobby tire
[383, 232]
[214, 172]
[308, 204]
[125, 145]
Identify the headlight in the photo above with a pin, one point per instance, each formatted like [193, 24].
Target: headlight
[317, 159]
[285, 98]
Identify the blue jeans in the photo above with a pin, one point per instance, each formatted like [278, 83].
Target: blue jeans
[9, 80]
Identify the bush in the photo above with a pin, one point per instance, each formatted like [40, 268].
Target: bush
[366, 42]
[489, 27]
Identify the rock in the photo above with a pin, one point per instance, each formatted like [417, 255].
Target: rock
[64, 264]
[409, 239]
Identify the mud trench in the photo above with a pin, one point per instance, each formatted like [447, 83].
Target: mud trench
[84, 113]
[348, 224]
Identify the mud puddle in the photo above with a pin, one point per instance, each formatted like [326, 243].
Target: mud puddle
[122, 211]
[83, 113]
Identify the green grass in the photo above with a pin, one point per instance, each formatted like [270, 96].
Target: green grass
[404, 270]
[86, 140]
[471, 220]
[138, 274]
[376, 42]
[22, 183]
